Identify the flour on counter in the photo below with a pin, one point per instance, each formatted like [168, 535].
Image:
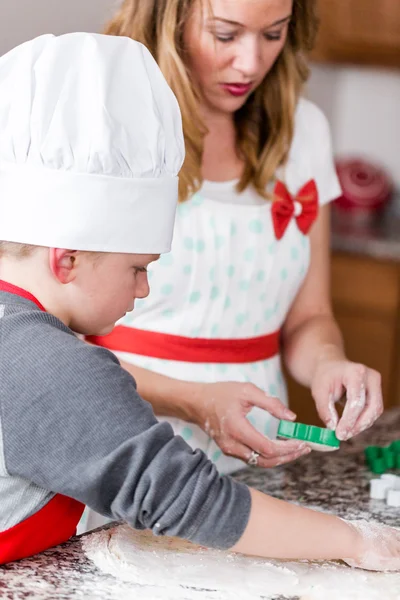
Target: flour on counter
[169, 568]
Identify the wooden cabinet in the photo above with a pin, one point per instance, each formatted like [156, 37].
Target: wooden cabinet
[359, 31]
[366, 302]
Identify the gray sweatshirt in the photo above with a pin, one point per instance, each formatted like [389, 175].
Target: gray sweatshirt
[72, 422]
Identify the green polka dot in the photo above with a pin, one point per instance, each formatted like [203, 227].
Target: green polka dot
[268, 313]
[197, 200]
[212, 222]
[227, 303]
[255, 226]
[222, 368]
[187, 433]
[249, 254]
[214, 292]
[254, 366]
[280, 378]
[200, 245]
[168, 313]
[260, 276]
[214, 330]
[219, 242]
[271, 248]
[263, 297]
[257, 328]
[244, 285]
[194, 297]
[304, 241]
[276, 306]
[166, 260]
[188, 243]
[195, 332]
[183, 209]
[284, 274]
[273, 389]
[241, 318]
[150, 275]
[167, 289]
[231, 271]
[212, 273]
[294, 253]
[233, 229]
[216, 455]
[187, 269]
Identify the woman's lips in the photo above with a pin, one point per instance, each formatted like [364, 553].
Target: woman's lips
[237, 89]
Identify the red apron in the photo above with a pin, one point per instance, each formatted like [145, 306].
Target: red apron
[54, 523]
[185, 349]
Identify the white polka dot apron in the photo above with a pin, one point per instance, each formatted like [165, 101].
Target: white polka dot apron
[233, 273]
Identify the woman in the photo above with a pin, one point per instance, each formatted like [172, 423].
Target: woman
[248, 276]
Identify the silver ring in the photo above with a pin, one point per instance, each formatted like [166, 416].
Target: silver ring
[253, 460]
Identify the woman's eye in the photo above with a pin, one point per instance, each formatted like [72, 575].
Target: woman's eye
[273, 37]
[227, 37]
[137, 270]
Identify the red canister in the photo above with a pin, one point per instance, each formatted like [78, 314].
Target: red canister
[366, 188]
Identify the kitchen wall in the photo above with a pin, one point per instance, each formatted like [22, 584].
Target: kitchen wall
[21, 20]
[363, 105]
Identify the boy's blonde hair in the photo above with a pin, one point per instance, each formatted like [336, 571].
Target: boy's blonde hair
[264, 124]
[16, 250]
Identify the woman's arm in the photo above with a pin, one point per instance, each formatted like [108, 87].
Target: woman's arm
[313, 347]
[220, 409]
[310, 330]
[169, 397]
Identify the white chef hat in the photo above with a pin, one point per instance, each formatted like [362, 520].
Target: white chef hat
[90, 146]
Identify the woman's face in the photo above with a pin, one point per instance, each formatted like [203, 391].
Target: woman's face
[231, 46]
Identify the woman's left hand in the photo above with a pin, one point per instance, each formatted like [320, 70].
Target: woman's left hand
[334, 377]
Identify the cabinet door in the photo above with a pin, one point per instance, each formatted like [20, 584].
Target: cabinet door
[359, 31]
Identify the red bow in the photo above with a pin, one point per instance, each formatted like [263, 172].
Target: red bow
[283, 207]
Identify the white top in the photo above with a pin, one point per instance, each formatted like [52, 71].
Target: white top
[227, 275]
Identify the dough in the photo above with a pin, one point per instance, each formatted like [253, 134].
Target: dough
[172, 568]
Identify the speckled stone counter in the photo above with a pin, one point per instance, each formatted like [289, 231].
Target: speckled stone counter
[335, 482]
[379, 238]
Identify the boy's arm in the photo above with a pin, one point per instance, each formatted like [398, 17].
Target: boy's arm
[73, 423]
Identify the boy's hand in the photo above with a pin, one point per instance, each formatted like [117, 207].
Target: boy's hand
[378, 548]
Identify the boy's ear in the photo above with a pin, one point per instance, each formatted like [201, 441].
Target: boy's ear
[63, 264]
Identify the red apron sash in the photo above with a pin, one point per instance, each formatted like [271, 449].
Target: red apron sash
[53, 524]
[185, 349]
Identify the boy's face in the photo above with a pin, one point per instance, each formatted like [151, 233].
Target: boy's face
[105, 288]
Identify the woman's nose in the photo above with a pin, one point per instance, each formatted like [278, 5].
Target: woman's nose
[248, 57]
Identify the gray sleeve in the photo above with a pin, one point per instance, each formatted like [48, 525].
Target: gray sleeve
[74, 424]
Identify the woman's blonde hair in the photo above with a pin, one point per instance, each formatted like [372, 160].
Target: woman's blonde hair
[264, 124]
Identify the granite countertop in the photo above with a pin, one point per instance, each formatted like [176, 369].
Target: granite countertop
[336, 482]
[378, 238]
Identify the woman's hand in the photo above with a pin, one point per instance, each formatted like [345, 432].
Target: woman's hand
[335, 376]
[221, 410]
[378, 547]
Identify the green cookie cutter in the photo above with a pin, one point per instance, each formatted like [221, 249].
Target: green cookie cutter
[308, 433]
[383, 458]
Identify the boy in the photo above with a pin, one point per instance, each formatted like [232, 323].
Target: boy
[90, 148]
